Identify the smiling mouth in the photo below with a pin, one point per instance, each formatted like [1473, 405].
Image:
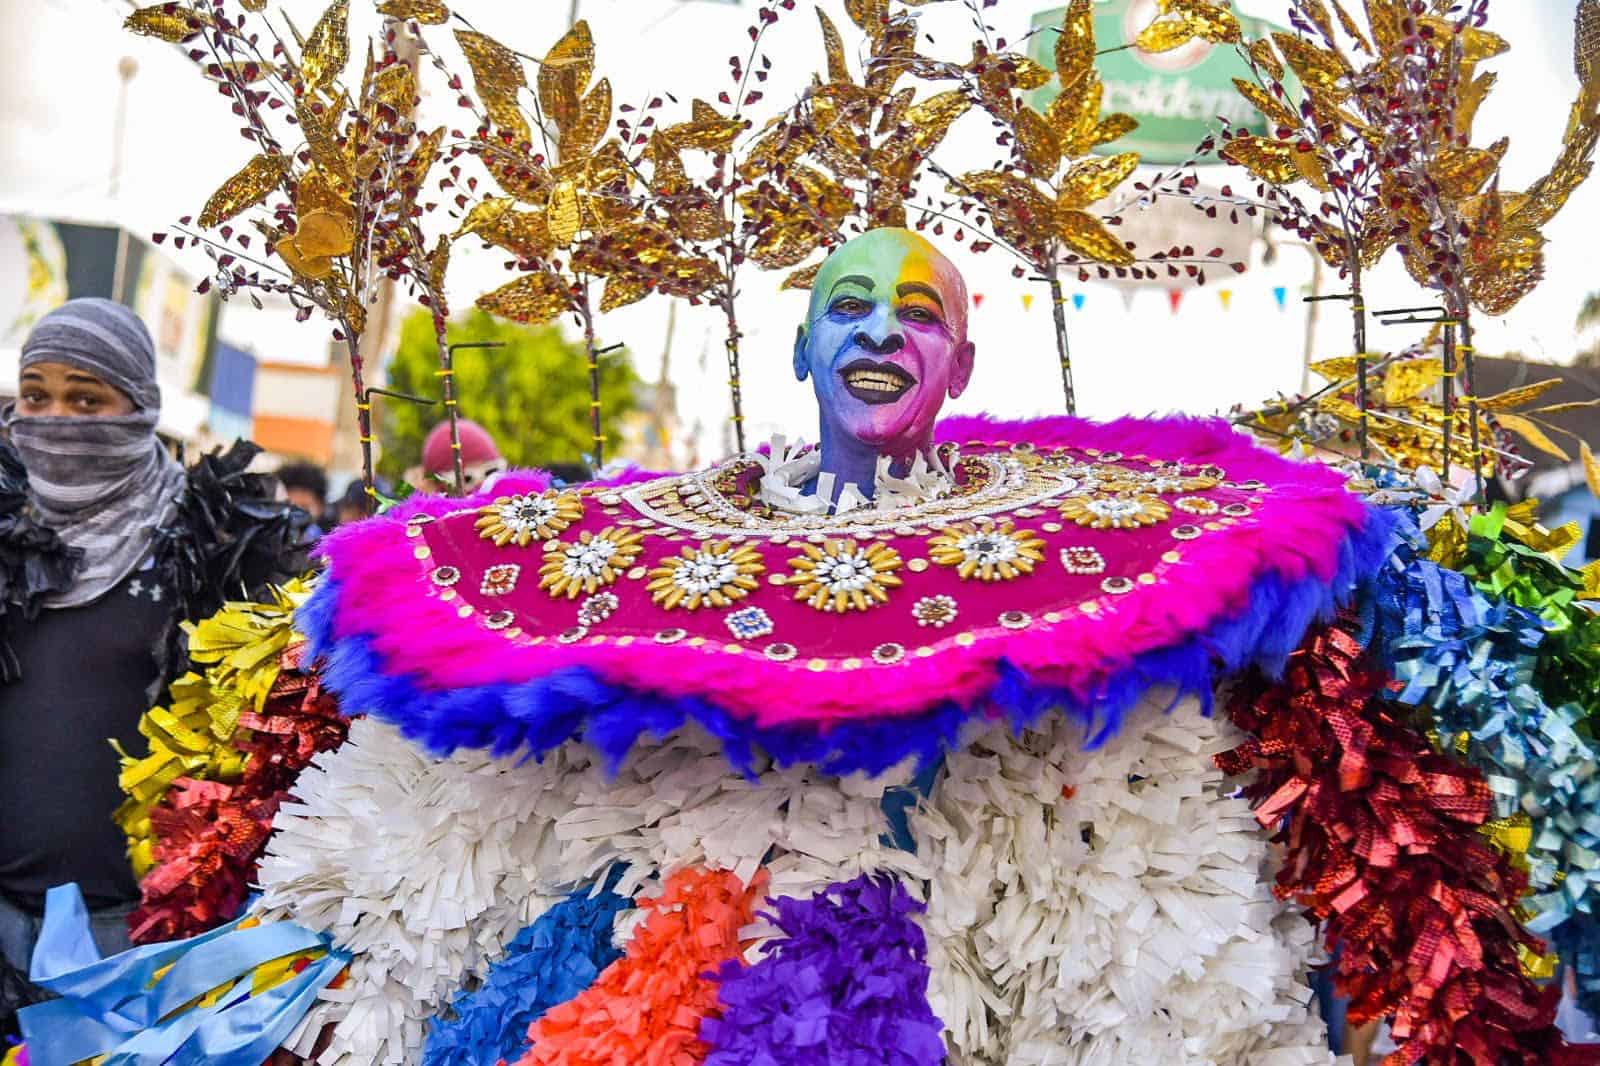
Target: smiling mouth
[876, 383]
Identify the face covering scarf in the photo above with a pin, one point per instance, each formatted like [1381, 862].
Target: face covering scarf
[105, 485]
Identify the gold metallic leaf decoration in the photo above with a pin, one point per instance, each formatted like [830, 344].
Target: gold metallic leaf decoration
[498, 75]
[533, 299]
[1265, 58]
[1530, 431]
[1477, 45]
[1094, 179]
[1114, 127]
[564, 75]
[1037, 141]
[1316, 67]
[869, 15]
[1586, 42]
[1075, 45]
[1193, 18]
[168, 22]
[395, 86]
[1591, 467]
[1461, 172]
[802, 279]
[1270, 106]
[484, 214]
[1089, 237]
[1519, 397]
[622, 290]
[833, 46]
[328, 48]
[245, 189]
[324, 233]
[253, 5]
[564, 216]
[707, 130]
[427, 12]
[1270, 160]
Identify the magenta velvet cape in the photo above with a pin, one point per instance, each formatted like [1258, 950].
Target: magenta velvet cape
[1213, 591]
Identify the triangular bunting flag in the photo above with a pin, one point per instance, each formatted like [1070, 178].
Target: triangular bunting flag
[977, 299]
[1175, 297]
[1281, 294]
[1027, 301]
[1078, 300]
[1226, 296]
[1127, 299]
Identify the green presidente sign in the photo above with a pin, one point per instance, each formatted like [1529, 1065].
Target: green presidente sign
[1177, 96]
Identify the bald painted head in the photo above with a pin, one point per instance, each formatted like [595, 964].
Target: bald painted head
[884, 344]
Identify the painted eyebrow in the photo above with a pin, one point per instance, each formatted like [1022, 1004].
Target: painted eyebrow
[856, 279]
[926, 290]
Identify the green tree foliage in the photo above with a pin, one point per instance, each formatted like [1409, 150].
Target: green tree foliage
[531, 395]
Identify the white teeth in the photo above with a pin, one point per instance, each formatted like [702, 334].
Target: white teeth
[874, 381]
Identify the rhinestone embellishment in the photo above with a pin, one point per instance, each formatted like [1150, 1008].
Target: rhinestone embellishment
[844, 576]
[989, 553]
[445, 576]
[597, 608]
[888, 654]
[1081, 560]
[748, 623]
[500, 579]
[935, 611]
[520, 520]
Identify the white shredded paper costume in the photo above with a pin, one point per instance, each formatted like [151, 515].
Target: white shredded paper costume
[1084, 908]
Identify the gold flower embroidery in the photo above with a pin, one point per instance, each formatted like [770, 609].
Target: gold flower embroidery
[1115, 512]
[1167, 483]
[706, 575]
[520, 520]
[843, 576]
[992, 553]
[592, 563]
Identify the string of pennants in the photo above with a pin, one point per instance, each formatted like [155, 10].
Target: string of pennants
[1175, 297]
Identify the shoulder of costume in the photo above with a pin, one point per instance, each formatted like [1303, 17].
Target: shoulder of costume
[517, 619]
[230, 537]
[34, 561]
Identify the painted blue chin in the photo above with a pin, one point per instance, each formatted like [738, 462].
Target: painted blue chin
[876, 383]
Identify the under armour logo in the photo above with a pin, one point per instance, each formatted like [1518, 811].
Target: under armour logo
[137, 588]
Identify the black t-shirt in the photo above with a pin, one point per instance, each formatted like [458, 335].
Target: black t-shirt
[87, 675]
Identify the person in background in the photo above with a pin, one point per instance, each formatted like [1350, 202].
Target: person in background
[481, 460]
[107, 545]
[306, 485]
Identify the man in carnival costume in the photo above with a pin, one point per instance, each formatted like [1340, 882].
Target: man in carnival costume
[894, 752]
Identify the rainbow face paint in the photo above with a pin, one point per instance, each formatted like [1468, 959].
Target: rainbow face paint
[885, 342]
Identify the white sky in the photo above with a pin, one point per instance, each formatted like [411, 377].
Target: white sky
[58, 89]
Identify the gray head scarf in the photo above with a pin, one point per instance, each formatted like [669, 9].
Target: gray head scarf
[104, 484]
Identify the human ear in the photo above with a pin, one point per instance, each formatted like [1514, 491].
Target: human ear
[802, 365]
[961, 373]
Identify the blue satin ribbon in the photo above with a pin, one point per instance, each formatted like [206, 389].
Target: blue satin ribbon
[118, 1008]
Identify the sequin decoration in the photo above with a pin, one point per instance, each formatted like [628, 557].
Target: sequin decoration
[1167, 483]
[520, 520]
[597, 608]
[1197, 505]
[888, 654]
[573, 635]
[445, 576]
[748, 623]
[935, 611]
[591, 564]
[1016, 619]
[781, 653]
[1117, 586]
[499, 620]
[706, 575]
[1116, 512]
[499, 580]
[1186, 532]
[1082, 560]
[841, 575]
[997, 553]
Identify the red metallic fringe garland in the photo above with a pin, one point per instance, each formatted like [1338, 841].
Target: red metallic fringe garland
[1381, 844]
[647, 1006]
[210, 835]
